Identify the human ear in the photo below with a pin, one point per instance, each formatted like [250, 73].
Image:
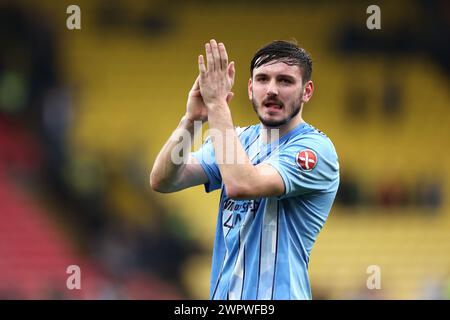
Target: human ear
[308, 91]
[250, 89]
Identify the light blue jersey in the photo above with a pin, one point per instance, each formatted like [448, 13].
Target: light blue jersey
[262, 246]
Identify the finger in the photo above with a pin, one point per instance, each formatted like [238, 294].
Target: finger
[230, 96]
[231, 72]
[196, 86]
[216, 55]
[223, 56]
[201, 68]
[209, 57]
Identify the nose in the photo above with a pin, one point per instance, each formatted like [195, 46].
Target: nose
[272, 89]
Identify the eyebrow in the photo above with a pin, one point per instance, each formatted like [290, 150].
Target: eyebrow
[262, 74]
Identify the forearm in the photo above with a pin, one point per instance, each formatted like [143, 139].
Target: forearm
[235, 167]
[173, 156]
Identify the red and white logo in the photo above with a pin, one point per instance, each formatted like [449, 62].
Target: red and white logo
[306, 160]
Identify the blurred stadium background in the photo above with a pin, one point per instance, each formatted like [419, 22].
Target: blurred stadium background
[83, 114]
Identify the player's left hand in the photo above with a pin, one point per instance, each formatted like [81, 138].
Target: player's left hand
[217, 77]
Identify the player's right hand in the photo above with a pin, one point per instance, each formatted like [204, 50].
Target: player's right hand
[196, 108]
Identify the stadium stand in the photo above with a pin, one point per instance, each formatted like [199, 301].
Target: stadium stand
[130, 75]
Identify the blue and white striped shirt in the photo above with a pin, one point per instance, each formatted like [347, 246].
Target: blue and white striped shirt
[262, 246]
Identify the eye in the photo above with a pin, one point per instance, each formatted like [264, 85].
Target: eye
[261, 79]
[285, 81]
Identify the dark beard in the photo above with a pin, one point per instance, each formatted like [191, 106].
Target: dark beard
[275, 124]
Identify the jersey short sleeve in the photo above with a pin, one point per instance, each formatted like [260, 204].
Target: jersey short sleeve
[205, 155]
[308, 164]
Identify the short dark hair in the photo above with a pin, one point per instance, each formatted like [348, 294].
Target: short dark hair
[284, 51]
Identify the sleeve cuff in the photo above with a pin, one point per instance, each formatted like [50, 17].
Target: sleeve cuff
[284, 177]
[208, 186]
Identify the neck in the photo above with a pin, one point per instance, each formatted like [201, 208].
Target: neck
[270, 134]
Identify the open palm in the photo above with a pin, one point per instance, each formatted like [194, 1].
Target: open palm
[196, 109]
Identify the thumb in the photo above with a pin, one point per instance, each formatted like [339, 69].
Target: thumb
[196, 85]
[231, 71]
[230, 96]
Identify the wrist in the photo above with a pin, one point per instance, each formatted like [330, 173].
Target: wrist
[217, 105]
[188, 121]
[218, 111]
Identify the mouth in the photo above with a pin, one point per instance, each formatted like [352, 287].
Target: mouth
[273, 107]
